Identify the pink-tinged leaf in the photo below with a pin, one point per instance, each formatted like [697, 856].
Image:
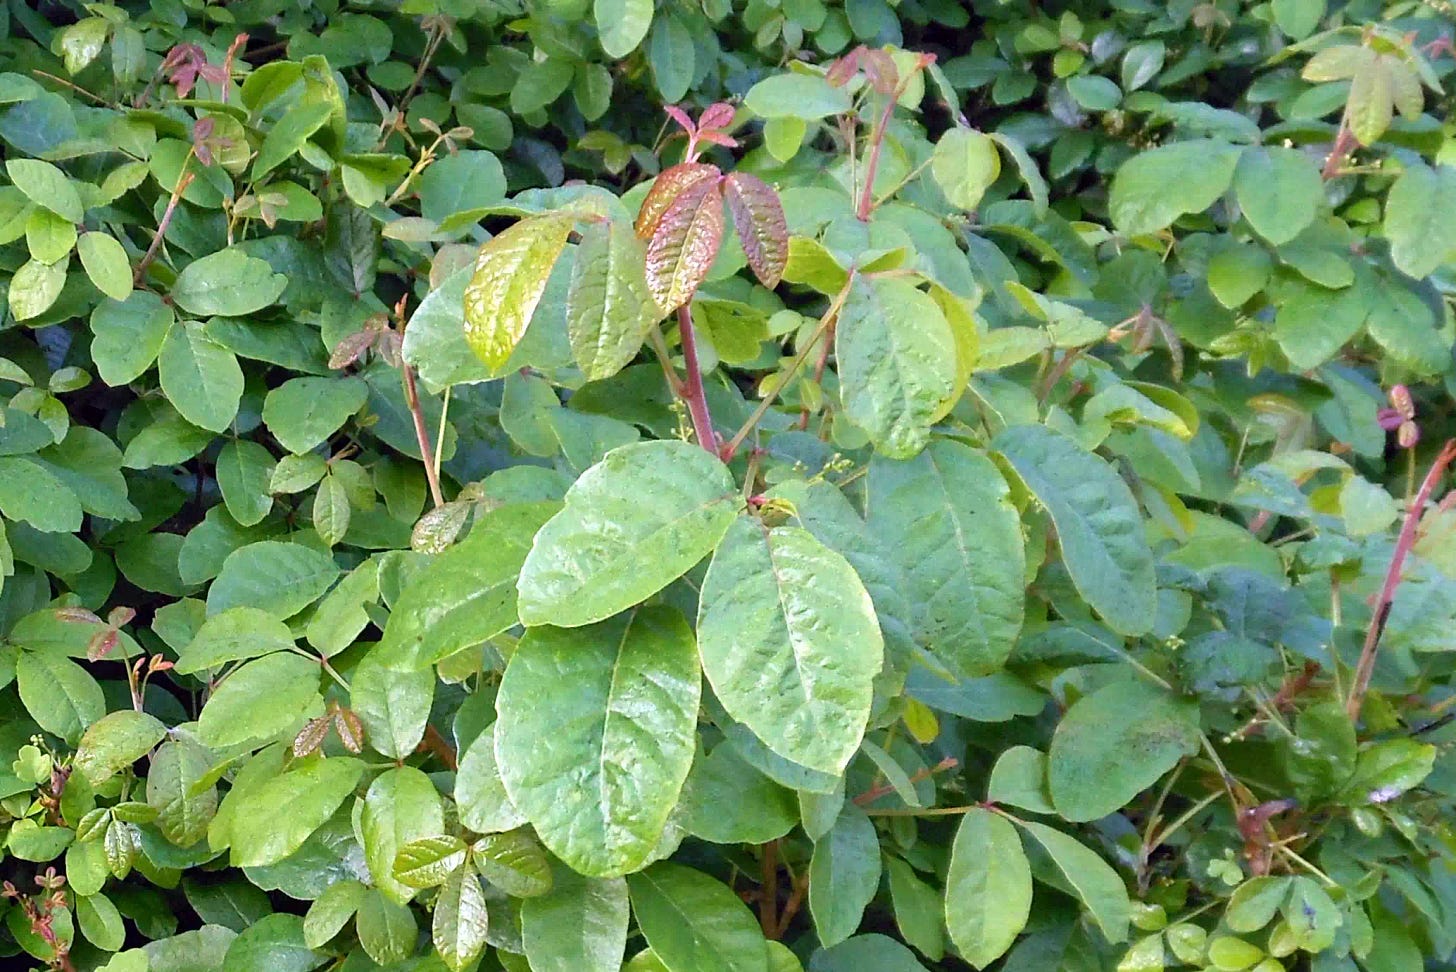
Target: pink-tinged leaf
[119, 616]
[77, 615]
[843, 69]
[101, 644]
[716, 116]
[668, 186]
[684, 244]
[758, 216]
[681, 117]
[510, 276]
[880, 68]
[718, 138]
[348, 350]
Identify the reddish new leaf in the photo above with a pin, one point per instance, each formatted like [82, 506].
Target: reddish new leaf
[684, 243]
[669, 185]
[758, 216]
[718, 115]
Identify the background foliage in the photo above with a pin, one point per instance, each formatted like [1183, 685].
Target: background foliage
[964, 487]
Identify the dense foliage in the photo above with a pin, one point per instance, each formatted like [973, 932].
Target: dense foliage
[717, 485]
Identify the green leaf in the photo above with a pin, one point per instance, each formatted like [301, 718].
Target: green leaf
[1091, 878]
[277, 577]
[539, 84]
[918, 909]
[100, 922]
[1279, 191]
[427, 862]
[1421, 239]
[401, 806]
[1094, 92]
[106, 264]
[386, 930]
[1370, 107]
[576, 768]
[1313, 323]
[694, 922]
[392, 704]
[513, 862]
[946, 518]
[1255, 903]
[964, 164]
[1019, 779]
[35, 287]
[897, 363]
[864, 952]
[466, 595]
[261, 699]
[1115, 743]
[303, 412]
[184, 807]
[288, 134]
[60, 695]
[673, 58]
[581, 926]
[114, 742]
[1155, 187]
[844, 874]
[32, 493]
[794, 95]
[331, 510]
[609, 308]
[201, 378]
[244, 471]
[621, 25]
[228, 282]
[128, 335]
[510, 276]
[236, 634]
[727, 801]
[275, 818]
[987, 888]
[331, 911]
[1098, 526]
[274, 944]
[480, 795]
[46, 186]
[460, 923]
[790, 642]
[610, 549]
[461, 181]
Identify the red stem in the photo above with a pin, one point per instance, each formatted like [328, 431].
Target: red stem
[422, 435]
[1403, 545]
[877, 140]
[693, 393]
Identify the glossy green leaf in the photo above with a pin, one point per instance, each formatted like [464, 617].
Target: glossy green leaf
[1092, 879]
[509, 278]
[694, 923]
[622, 24]
[844, 874]
[106, 264]
[574, 767]
[581, 926]
[1279, 191]
[458, 929]
[260, 835]
[59, 694]
[114, 742]
[1420, 240]
[1153, 188]
[261, 699]
[279, 578]
[964, 164]
[227, 282]
[609, 307]
[401, 806]
[608, 549]
[129, 335]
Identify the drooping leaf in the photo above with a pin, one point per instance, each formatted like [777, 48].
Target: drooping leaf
[574, 767]
[897, 363]
[965, 163]
[460, 922]
[510, 275]
[609, 307]
[1091, 878]
[988, 887]
[945, 517]
[1098, 526]
[611, 547]
[844, 874]
[790, 642]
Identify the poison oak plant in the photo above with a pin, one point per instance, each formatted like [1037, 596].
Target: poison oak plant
[727, 486]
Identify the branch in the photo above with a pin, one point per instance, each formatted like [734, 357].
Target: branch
[183, 181]
[1403, 544]
[692, 390]
[422, 436]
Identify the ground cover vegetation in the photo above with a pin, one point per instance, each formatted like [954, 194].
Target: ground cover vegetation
[580, 485]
